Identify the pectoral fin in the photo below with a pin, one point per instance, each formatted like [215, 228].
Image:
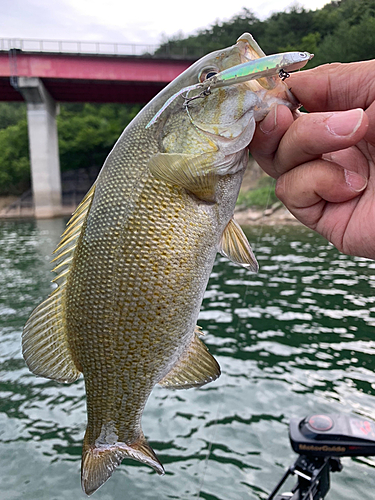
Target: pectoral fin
[234, 246]
[195, 368]
[194, 173]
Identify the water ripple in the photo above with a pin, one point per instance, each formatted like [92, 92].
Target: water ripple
[295, 339]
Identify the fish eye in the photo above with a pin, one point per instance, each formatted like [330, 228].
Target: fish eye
[207, 73]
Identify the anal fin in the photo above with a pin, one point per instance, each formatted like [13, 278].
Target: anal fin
[99, 462]
[196, 174]
[235, 247]
[195, 368]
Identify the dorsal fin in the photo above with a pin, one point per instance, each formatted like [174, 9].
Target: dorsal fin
[45, 345]
[72, 232]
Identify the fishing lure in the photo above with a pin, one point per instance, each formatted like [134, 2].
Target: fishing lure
[276, 64]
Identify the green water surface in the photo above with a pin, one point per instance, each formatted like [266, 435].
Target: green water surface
[297, 338]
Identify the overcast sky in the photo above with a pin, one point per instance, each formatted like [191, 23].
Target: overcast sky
[126, 21]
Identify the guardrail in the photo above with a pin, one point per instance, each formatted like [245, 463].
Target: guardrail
[93, 48]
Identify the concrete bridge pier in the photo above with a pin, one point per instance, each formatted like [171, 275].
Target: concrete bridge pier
[44, 149]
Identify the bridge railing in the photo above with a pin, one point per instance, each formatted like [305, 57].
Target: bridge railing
[94, 48]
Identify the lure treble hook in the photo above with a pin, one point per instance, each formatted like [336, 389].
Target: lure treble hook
[202, 94]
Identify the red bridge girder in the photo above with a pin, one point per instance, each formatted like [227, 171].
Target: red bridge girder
[90, 78]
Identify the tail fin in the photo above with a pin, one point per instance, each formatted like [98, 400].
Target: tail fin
[98, 463]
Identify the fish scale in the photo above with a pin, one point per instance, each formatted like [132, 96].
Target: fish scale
[137, 254]
[135, 308]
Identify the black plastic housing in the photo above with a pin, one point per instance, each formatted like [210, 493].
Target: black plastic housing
[332, 435]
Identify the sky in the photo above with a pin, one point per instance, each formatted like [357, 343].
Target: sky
[125, 21]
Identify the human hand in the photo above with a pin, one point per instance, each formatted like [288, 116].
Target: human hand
[324, 161]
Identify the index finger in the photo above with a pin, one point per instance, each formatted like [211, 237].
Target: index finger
[309, 137]
[334, 87]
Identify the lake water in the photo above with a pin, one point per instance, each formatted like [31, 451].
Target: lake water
[296, 339]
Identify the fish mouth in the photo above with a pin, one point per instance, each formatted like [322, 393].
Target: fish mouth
[248, 48]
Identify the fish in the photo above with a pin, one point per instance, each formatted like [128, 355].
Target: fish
[134, 261]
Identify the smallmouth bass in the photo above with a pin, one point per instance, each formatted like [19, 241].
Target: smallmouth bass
[137, 254]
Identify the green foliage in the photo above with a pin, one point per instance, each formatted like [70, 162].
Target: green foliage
[257, 198]
[11, 113]
[14, 159]
[343, 30]
[88, 132]
[261, 197]
[284, 31]
[219, 35]
[348, 43]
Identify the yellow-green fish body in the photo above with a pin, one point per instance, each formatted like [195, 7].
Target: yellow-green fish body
[136, 257]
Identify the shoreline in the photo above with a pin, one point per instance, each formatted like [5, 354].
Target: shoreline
[16, 207]
[277, 215]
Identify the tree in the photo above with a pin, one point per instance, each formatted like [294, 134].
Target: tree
[217, 36]
[11, 113]
[14, 159]
[284, 31]
[86, 132]
[343, 30]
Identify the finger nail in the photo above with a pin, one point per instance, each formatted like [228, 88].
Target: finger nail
[345, 123]
[269, 123]
[355, 181]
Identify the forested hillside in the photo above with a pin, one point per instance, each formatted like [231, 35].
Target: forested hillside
[341, 31]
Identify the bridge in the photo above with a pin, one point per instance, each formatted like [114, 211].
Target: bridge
[45, 72]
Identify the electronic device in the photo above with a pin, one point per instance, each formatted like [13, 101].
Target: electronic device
[320, 440]
[332, 435]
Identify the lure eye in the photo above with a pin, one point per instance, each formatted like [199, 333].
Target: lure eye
[207, 73]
